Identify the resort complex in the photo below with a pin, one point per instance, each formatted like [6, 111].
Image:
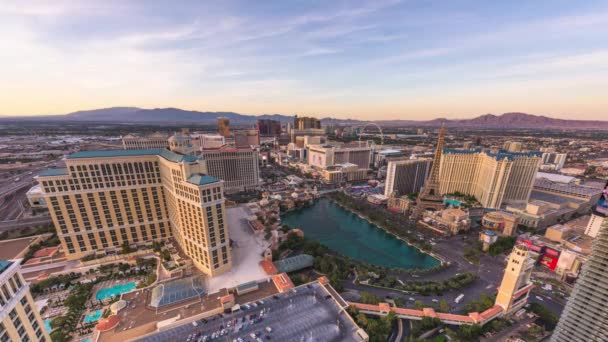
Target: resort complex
[104, 200]
[232, 234]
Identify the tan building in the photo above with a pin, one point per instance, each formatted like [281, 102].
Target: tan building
[557, 232]
[237, 167]
[593, 227]
[399, 204]
[346, 172]
[19, 317]
[246, 138]
[105, 199]
[323, 156]
[135, 141]
[502, 222]
[493, 178]
[223, 127]
[447, 221]
[304, 122]
[516, 285]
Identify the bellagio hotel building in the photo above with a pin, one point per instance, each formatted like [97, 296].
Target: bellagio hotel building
[105, 199]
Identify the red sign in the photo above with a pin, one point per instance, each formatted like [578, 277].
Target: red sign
[552, 252]
[530, 244]
[549, 261]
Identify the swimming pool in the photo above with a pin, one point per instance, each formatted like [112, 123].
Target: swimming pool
[47, 325]
[93, 316]
[115, 290]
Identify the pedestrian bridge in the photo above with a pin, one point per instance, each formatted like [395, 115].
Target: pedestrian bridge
[383, 309]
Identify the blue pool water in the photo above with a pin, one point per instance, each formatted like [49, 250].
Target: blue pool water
[115, 290]
[452, 202]
[47, 325]
[93, 316]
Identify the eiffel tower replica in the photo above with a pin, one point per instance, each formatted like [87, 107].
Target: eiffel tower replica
[430, 198]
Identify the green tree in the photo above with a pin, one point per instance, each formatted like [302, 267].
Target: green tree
[444, 306]
[419, 305]
[369, 298]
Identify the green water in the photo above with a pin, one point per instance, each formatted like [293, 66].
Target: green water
[349, 235]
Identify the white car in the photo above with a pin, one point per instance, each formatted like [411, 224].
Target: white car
[539, 298]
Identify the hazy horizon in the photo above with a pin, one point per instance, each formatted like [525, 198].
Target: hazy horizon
[300, 114]
[368, 60]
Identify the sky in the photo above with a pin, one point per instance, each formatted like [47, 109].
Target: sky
[379, 59]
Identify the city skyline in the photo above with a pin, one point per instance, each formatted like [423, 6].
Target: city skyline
[362, 60]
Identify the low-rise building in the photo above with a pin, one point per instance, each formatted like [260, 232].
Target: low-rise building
[399, 204]
[346, 172]
[448, 221]
[502, 222]
[35, 197]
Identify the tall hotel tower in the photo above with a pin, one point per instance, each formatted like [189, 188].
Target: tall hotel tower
[585, 317]
[103, 200]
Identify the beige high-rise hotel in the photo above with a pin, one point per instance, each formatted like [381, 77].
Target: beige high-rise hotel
[494, 178]
[104, 199]
[19, 317]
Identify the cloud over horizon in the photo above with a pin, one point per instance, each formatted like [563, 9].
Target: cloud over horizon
[357, 59]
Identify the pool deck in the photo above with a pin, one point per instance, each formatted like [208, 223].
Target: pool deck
[138, 318]
[111, 283]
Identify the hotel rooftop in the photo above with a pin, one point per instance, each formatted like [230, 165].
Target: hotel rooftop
[498, 155]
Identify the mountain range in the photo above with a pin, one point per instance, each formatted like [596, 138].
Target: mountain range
[134, 115]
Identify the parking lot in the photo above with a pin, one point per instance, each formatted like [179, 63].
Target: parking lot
[309, 314]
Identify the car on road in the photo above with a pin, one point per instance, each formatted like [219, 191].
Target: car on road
[412, 299]
[539, 298]
[434, 300]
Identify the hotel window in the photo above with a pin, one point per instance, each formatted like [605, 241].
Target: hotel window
[6, 293]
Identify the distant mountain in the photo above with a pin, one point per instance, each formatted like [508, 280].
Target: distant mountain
[134, 115]
[518, 120]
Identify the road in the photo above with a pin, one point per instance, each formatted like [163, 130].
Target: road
[503, 334]
[23, 223]
[489, 272]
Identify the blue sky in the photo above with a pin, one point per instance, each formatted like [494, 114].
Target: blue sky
[384, 59]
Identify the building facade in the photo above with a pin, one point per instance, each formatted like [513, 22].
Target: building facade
[237, 167]
[19, 317]
[304, 122]
[137, 142]
[406, 176]
[104, 200]
[494, 178]
[501, 222]
[323, 156]
[516, 284]
[584, 314]
[553, 161]
[223, 127]
[268, 127]
[246, 138]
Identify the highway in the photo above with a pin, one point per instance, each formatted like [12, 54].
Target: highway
[24, 223]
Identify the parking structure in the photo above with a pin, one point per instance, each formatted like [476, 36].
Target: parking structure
[306, 313]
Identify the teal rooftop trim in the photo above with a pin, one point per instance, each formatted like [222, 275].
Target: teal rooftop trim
[4, 265]
[171, 156]
[202, 179]
[53, 172]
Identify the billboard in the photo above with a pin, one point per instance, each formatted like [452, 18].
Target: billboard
[550, 257]
[530, 244]
[602, 204]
